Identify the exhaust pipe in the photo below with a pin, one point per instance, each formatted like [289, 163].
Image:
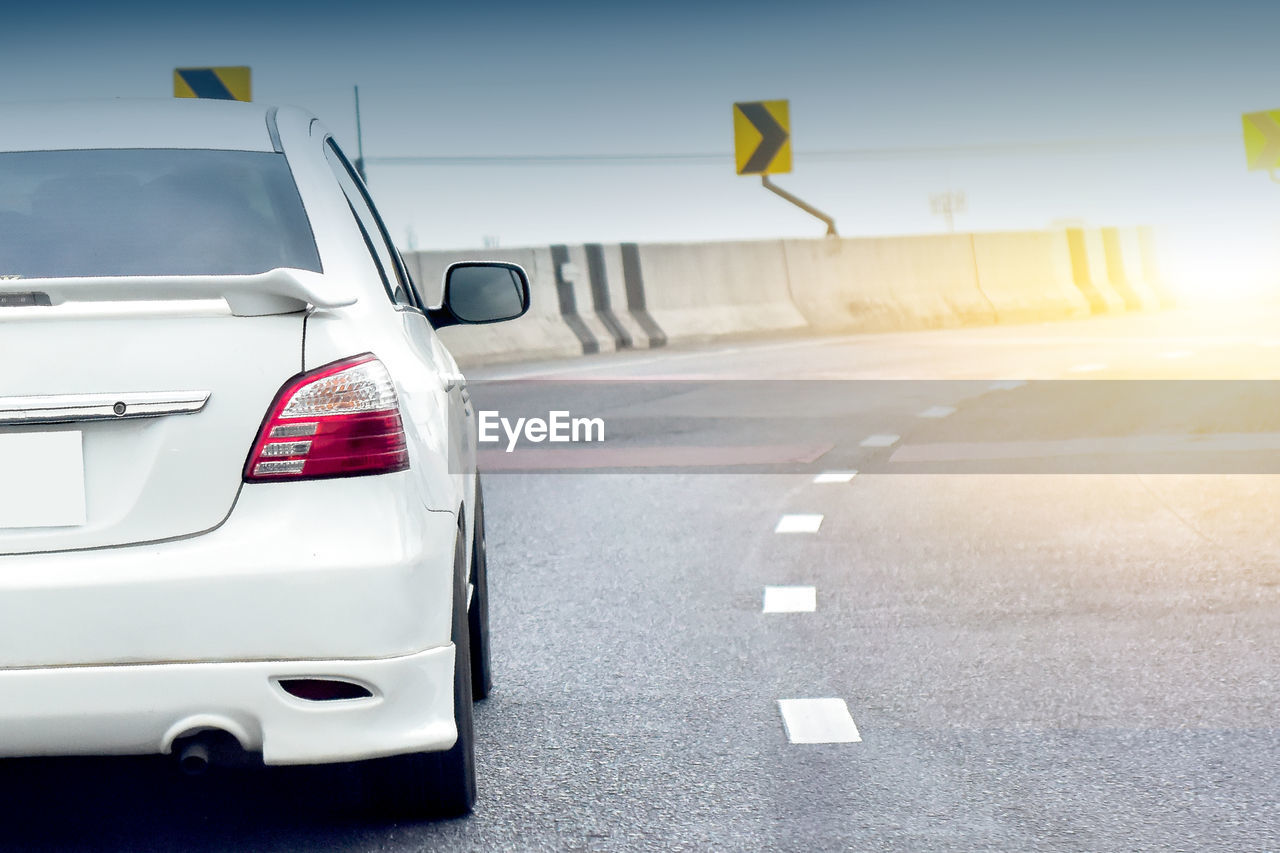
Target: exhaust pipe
[194, 758]
[202, 748]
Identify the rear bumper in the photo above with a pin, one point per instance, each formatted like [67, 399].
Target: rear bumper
[324, 570]
[138, 710]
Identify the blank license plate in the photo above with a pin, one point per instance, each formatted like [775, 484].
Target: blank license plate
[41, 479]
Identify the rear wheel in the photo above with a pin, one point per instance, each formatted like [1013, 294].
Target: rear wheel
[439, 784]
[478, 612]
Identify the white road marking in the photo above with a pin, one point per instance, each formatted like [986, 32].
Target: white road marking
[818, 721]
[835, 476]
[790, 599]
[1181, 353]
[1006, 384]
[798, 524]
[938, 412]
[879, 441]
[1092, 367]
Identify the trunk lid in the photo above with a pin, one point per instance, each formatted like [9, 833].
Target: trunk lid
[129, 422]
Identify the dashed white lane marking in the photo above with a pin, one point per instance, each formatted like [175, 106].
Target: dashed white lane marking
[818, 721]
[1180, 353]
[835, 476]
[879, 441]
[1092, 367]
[798, 524]
[1006, 384]
[938, 412]
[790, 599]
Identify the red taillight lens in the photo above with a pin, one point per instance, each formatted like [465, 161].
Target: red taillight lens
[341, 420]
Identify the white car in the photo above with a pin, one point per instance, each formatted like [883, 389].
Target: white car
[239, 512]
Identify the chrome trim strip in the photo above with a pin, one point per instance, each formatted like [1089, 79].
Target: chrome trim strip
[68, 408]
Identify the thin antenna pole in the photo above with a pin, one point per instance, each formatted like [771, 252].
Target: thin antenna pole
[359, 141]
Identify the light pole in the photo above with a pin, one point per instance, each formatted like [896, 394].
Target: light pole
[947, 205]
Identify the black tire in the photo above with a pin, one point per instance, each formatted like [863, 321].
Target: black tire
[436, 784]
[478, 612]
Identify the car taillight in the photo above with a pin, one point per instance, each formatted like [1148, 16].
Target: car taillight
[340, 420]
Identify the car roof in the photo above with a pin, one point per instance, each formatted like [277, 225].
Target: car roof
[121, 123]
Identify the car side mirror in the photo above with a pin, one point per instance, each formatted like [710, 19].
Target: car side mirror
[477, 292]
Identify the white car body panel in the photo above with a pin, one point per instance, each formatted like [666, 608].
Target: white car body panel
[245, 591]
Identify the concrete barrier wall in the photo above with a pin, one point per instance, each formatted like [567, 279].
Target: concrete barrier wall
[624, 284]
[601, 297]
[699, 291]
[889, 283]
[1122, 253]
[1027, 276]
[1089, 270]
[1151, 267]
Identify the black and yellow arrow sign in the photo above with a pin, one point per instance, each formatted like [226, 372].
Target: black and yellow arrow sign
[1262, 139]
[230, 83]
[762, 137]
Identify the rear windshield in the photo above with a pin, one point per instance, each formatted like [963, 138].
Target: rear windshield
[150, 212]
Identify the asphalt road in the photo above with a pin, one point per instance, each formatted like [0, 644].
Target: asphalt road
[1035, 658]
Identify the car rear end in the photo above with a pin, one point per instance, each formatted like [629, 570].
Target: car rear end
[199, 532]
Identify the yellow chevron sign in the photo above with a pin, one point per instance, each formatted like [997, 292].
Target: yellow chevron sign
[229, 83]
[762, 137]
[1262, 140]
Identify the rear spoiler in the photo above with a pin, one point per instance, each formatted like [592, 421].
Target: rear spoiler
[279, 291]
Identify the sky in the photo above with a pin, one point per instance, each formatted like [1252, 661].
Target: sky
[1091, 112]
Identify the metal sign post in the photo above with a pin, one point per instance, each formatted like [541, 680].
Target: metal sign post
[803, 205]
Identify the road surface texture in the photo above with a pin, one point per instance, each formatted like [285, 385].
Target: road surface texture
[1037, 623]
